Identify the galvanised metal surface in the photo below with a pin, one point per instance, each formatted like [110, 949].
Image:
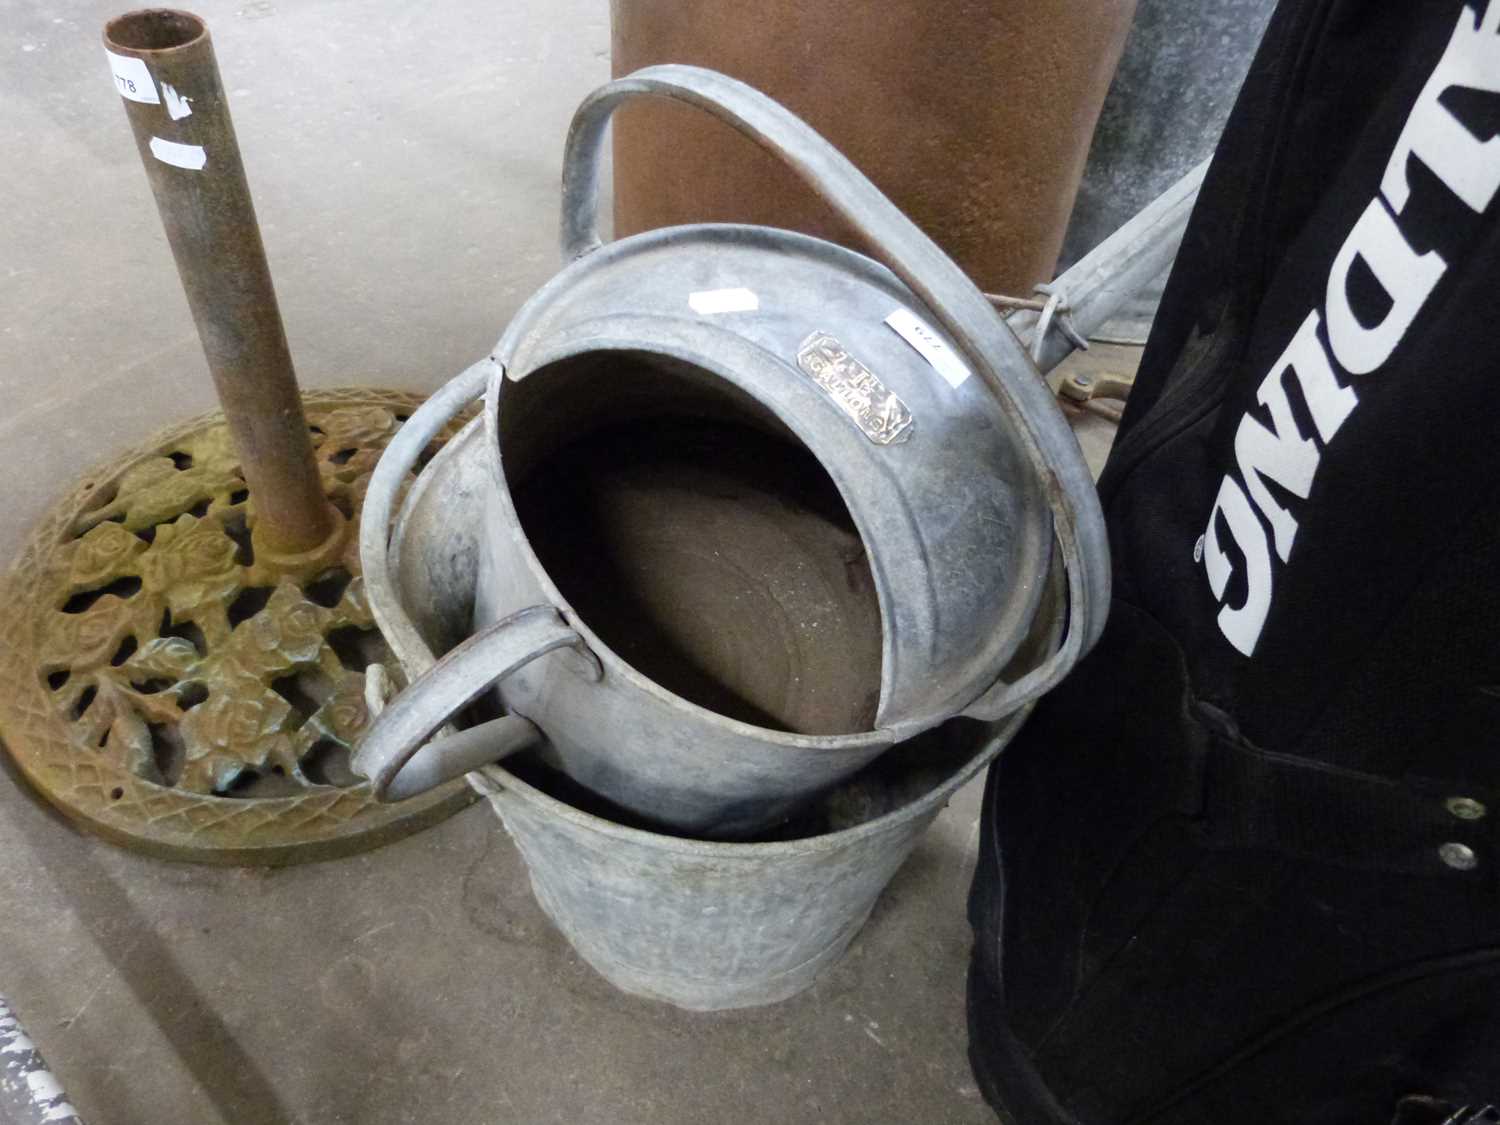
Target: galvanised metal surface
[621, 734]
[709, 926]
[178, 692]
[664, 753]
[948, 492]
[698, 924]
[169, 84]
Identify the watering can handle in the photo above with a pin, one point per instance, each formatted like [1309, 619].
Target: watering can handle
[395, 754]
[953, 299]
[399, 734]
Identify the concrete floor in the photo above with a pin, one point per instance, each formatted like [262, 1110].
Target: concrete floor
[404, 160]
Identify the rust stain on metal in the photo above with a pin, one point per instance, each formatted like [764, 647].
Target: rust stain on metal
[973, 118]
[875, 409]
[183, 694]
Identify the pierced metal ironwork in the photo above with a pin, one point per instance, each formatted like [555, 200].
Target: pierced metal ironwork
[174, 692]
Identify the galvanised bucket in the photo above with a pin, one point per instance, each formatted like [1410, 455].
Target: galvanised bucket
[729, 925]
[755, 508]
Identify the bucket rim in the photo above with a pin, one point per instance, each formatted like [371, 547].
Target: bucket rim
[497, 780]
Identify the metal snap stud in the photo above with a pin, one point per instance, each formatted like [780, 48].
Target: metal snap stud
[1465, 808]
[1460, 857]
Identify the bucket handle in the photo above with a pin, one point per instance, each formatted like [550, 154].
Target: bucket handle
[982, 335]
[392, 754]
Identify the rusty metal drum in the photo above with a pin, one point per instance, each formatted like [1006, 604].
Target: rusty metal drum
[972, 117]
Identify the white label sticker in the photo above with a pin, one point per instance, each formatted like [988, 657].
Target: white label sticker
[707, 302]
[929, 346]
[132, 79]
[191, 157]
[177, 105]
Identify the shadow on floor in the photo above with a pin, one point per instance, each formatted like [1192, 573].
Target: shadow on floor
[146, 965]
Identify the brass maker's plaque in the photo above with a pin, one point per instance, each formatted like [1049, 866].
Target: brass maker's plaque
[872, 406]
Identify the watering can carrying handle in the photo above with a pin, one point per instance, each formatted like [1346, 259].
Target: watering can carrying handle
[395, 754]
[952, 298]
[402, 728]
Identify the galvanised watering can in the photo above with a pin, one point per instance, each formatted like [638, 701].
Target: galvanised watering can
[757, 507]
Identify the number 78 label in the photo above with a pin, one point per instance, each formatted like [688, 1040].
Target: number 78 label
[132, 79]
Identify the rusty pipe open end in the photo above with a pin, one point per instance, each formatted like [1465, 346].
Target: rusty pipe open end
[151, 31]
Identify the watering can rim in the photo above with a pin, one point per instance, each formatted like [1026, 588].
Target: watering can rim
[617, 665]
[960, 308]
[1009, 625]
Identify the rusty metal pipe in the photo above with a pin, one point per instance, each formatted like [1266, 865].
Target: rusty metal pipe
[164, 68]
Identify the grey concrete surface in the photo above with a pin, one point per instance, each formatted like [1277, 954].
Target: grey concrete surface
[404, 159]
[404, 162]
[1179, 77]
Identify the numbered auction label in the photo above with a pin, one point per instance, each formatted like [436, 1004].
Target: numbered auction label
[132, 79]
[929, 345]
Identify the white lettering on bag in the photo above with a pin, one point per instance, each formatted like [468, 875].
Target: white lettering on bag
[1407, 277]
[1282, 453]
[1468, 167]
[1327, 402]
[1241, 626]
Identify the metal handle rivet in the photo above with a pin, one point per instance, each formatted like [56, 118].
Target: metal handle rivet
[1465, 808]
[1460, 857]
